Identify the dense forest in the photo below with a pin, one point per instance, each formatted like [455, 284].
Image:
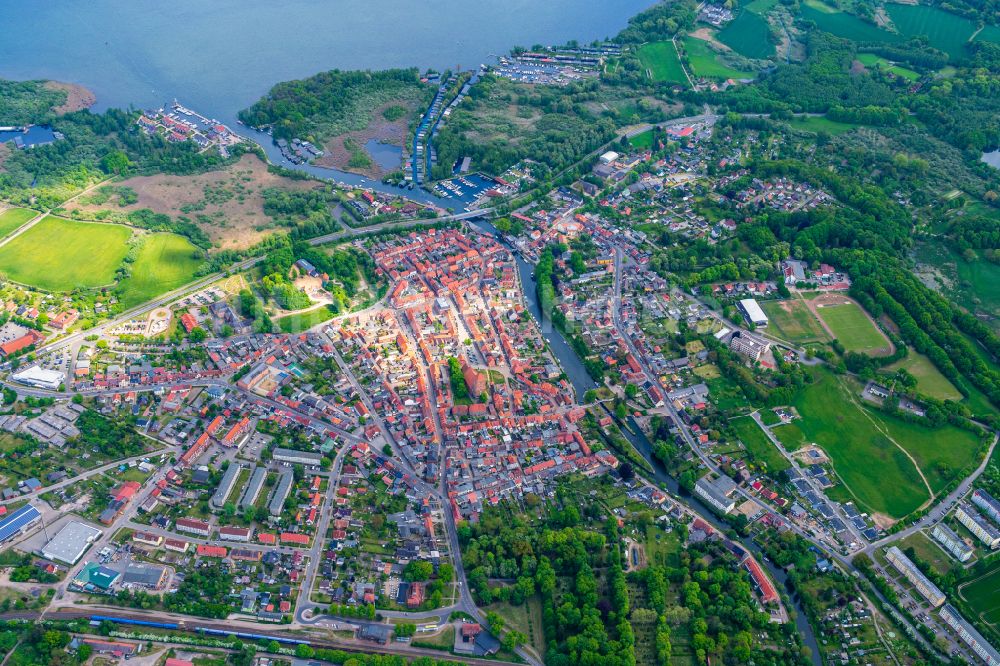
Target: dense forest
[26, 102]
[331, 103]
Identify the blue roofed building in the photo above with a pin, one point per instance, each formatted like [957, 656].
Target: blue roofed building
[15, 524]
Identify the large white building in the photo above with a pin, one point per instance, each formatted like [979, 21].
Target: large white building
[39, 378]
[753, 313]
[226, 485]
[978, 525]
[296, 457]
[924, 586]
[71, 542]
[715, 494]
[749, 345]
[988, 504]
[953, 543]
[971, 637]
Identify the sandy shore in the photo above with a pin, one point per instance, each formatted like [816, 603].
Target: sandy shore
[77, 97]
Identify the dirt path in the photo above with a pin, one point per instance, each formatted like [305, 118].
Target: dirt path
[882, 429]
[706, 35]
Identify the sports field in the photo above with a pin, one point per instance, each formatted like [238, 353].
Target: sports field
[930, 381]
[867, 447]
[871, 60]
[983, 594]
[12, 218]
[748, 34]
[62, 255]
[660, 59]
[791, 320]
[706, 62]
[852, 327]
[944, 31]
[845, 25]
[165, 262]
[758, 445]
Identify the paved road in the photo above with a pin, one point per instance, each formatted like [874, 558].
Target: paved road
[89, 473]
[941, 509]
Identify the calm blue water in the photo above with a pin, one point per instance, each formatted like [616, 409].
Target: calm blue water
[218, 56]
[386, 155]
[993, 158]
[35, 135]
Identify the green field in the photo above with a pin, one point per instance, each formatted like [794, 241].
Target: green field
[642, 141]
[60, 255]
[983, 595]
[845, 25]
[928, 551]
[852, 328]
[862, 444]
[820, 124]
[871, 60]
[302, 321]
[165, 262]
[706, 63]
[660, 59]
[758, 445]
[944, 31]
[748, 34]
[990, 33]
[930, 381]
[760, 6]
[791, 320]
[12, 218]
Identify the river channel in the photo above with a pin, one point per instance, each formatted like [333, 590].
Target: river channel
[582, 382]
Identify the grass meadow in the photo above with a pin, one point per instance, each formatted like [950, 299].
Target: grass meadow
[62, 255]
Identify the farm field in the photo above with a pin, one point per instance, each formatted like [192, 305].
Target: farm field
[748, 34]
[845, 25]
[944, 31]
[706, 63]
[12, 218]
[758, 445]
[870, 60]
[792, 320]
[862, 445]
[820, 124]
[61, 255]
[165, 262]
[851, 326]
[983, 595]
[660, 59]
[930, 381]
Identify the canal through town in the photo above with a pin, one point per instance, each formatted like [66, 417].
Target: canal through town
[582, 382]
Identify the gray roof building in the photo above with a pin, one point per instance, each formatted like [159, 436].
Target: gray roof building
[71, 542]
[277, 503]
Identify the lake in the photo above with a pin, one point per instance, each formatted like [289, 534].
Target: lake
[219, 56]
[993, 158]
